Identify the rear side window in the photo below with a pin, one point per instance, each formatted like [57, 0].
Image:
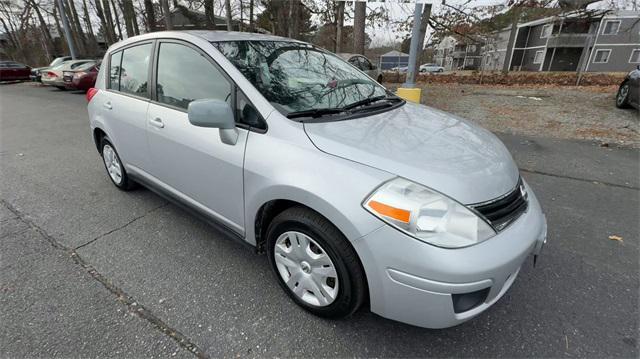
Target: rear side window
[114, 71]
[185, 75]
[134, 70]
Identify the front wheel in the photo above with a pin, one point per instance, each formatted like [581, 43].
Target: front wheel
[315, 264]
[622, 97]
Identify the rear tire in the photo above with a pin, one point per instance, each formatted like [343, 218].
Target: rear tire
[298, 236]
[114, 167]
[622, 96]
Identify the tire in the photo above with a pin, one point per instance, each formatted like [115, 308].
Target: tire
[346, 273]
[61, 88]
[380, 79]
[109, 154]
[440, 70]
[622, 96]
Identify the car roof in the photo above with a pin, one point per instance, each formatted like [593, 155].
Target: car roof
[211, 35]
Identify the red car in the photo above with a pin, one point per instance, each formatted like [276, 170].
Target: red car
[82, 78]
[13, 71]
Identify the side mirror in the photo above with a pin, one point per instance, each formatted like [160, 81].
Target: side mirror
[214, 114]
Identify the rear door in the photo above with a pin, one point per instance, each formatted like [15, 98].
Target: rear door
[126, 101]
[197, 166]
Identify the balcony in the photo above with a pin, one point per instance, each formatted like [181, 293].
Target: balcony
[568, 40]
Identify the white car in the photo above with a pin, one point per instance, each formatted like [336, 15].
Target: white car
[431, 68]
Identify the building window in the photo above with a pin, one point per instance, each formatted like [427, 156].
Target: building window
[602, 56]
[537, 59]
[611, 27]
[471, 48]
[546, 31]
[635, 56]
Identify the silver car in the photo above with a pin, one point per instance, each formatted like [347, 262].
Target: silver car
[354, 194]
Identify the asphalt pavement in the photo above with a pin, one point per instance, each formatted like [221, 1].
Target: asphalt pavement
[87, 270]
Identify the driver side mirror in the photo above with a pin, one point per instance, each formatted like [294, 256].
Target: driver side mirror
[214, 113]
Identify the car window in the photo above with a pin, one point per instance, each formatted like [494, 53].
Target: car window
[79, 64]
[354, 61]
[134, 69]
[297, 77]
[114, 70]
[185, 75]
[366, 64]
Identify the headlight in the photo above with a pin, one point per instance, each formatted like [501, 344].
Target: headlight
[427, 215]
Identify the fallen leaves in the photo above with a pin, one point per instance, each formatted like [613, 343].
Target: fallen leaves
[613, 237]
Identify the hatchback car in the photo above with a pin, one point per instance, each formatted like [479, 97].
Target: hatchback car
[354, 194]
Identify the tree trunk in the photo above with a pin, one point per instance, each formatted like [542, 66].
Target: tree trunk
[105, 16]
[358, 27]
[117, 18]
[227, 5]
[151, 16]
[78, 33]
[48, 40]
[251, 16]
[209, 14]
[290, 17]
[129, 17]
[339, 25]
[92, 42]
[167, 14]
[241, 19]
[103, 23]
[65, 47]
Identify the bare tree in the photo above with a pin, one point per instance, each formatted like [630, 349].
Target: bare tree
[209, 14]
[167, 14]
[150, 15]
[227, 5]
[339, 25]
[250, 15]
[359, 16]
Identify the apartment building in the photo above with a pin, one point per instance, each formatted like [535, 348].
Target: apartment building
[459, 53]
[597, 41]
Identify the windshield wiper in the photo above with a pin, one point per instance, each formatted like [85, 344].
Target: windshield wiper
[315, 112]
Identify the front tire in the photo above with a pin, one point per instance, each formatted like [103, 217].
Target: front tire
[622, 97]
[114, 167]
[315, 264]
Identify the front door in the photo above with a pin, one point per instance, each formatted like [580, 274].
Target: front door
[193, 161]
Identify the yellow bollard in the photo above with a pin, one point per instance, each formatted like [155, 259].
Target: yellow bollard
[410, 94]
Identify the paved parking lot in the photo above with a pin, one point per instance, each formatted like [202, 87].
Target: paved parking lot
[87, 270]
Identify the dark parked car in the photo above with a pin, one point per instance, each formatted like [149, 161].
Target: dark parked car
[13, 71]
[629, 90]
[82, 78]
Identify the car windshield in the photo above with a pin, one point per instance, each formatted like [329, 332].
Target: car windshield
[297, 77]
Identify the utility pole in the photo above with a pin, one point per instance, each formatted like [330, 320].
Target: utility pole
[67, 32]
[413, 48]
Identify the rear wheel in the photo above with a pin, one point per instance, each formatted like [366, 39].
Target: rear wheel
[622, 97]
[114, 167]
[315, 264]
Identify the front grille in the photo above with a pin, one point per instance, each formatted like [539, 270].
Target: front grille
[504, 210]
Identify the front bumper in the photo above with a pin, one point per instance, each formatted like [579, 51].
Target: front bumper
[417, 283]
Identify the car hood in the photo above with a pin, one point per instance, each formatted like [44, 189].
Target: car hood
[425, 145]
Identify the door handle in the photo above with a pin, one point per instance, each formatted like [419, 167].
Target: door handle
[107, 105]
[157, 122]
